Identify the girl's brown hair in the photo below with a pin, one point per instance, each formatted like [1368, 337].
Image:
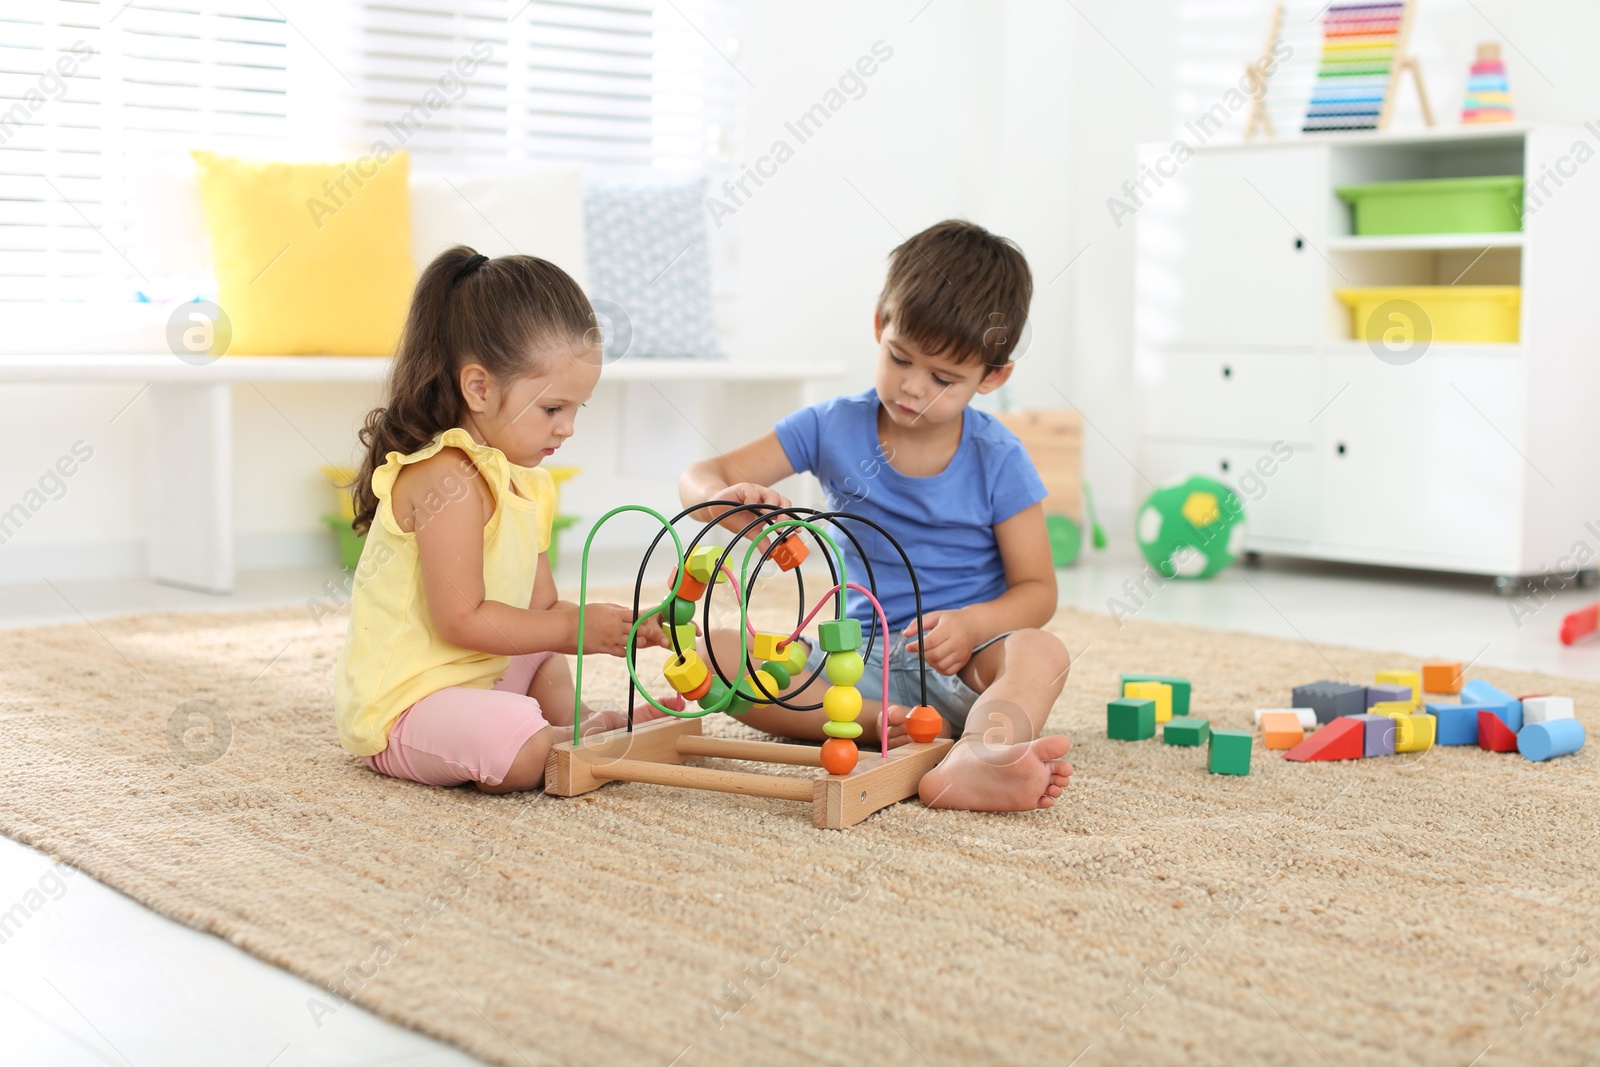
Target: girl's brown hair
[466, 308]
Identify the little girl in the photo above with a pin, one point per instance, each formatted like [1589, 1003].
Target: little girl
[452, 669]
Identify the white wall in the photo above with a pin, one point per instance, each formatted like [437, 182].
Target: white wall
[1022, 116]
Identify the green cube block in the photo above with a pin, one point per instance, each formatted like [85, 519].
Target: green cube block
[1230, 751]
[1180, 688]
[840, 635]
[1186, 731]
[1130, 719]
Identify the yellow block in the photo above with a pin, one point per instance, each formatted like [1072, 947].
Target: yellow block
[1393, 708]
[1411, 678]
[1413, 733]
[1160, 692]
[686, 636]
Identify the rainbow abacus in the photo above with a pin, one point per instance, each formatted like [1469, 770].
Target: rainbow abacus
[1360, 46]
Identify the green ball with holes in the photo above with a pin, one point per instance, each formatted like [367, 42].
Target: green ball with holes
[1193, 529]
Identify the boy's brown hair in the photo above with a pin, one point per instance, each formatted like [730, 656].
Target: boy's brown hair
[957, 289]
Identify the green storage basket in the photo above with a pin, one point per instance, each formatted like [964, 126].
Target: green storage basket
[1436, 205]
[350, 542]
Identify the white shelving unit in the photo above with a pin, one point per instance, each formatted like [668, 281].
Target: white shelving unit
[1477, 458]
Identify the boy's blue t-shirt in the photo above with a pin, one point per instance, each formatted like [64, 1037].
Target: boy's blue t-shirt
[944, 522]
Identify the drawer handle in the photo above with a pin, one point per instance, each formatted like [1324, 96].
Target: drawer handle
[1224, 465]
[1227, 371]
[1341, 448]
[1299, 244]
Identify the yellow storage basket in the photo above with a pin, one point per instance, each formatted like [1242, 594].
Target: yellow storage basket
[1476, 314]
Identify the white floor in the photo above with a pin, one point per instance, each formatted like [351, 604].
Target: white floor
[89, 976]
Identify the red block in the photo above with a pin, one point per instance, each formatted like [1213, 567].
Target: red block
[1494, 734]
[1343, 738]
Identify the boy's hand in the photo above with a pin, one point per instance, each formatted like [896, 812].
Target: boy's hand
[747, 493]
[947, 640]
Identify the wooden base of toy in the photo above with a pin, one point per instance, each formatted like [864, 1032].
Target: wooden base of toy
[654, 753]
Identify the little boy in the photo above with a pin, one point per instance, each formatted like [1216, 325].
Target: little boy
[956, 489]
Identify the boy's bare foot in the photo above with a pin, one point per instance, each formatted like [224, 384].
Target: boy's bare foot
[980, 777]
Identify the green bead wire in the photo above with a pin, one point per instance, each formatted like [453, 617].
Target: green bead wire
[583, 600]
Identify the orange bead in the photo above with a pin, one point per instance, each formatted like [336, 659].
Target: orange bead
[790, 553]
[839, 756]
[691, 588]
[923, 724]
[700, 690]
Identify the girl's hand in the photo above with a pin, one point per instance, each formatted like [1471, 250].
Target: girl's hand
[653, 635]
[947, 640]
[606, 626]
[746, 493]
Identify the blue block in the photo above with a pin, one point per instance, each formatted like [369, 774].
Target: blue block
[1456, 724]
[1541, 740]
[1484, 695]
[1378, 739]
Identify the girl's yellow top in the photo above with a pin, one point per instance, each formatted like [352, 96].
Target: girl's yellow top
[392, 656]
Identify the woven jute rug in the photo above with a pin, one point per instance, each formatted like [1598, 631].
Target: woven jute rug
[1430, 910]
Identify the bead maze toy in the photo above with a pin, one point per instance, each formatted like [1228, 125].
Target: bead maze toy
[850, 788]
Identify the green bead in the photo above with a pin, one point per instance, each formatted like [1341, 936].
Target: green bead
[796, 655]
[846, 730]
[737, 706]
[844, 668]
[779, 671]
[840, 635]
[717, 691]
[677, 611]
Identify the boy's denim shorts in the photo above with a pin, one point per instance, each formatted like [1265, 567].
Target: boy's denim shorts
[947, 693]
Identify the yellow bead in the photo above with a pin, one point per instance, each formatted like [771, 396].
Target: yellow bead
[842, 703]
[759, 685]
[686, 674]
[844, 668]
[846, 730]
[765, 646]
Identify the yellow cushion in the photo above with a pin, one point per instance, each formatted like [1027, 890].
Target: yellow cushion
[311, 258]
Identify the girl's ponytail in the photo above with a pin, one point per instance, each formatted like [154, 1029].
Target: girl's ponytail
[467, 308]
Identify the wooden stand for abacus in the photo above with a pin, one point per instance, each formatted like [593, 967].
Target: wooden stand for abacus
[655, 752]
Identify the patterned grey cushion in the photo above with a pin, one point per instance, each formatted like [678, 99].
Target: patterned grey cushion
[649, 254]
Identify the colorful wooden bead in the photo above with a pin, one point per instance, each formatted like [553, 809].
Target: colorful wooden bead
[848, 730]
[691, 587]
[840, 635]
[795, 655]
[763, 688]
[790, 552]
[842, 703]
[675, 611]
[685, 635]
[685, 673]
[715, 692]
[737, 706]
[844, 668]
[779, 671]
[839, 756]
[923, 724]
[702, 564]
[699, 691]
[765, 646]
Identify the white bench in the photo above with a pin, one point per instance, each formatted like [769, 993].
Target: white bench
[191, 430]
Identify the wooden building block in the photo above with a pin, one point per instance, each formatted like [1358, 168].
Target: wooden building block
[1377, 736]
[1186, 730]
[1413, 733]
[1053, 439]
[1306, 716]
[1455, 724]
[1281, 730]
[1181, 688]
[1410, 679]
[1330, 700]
[1160, 692]
[1230, 752]
[1546, 709]
[1554, 737]
[1493, 733]
[1482, 694]
[1441, 676]
[1388, 694]
[1393, 708]
[1343, 738]
[1128, 719]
